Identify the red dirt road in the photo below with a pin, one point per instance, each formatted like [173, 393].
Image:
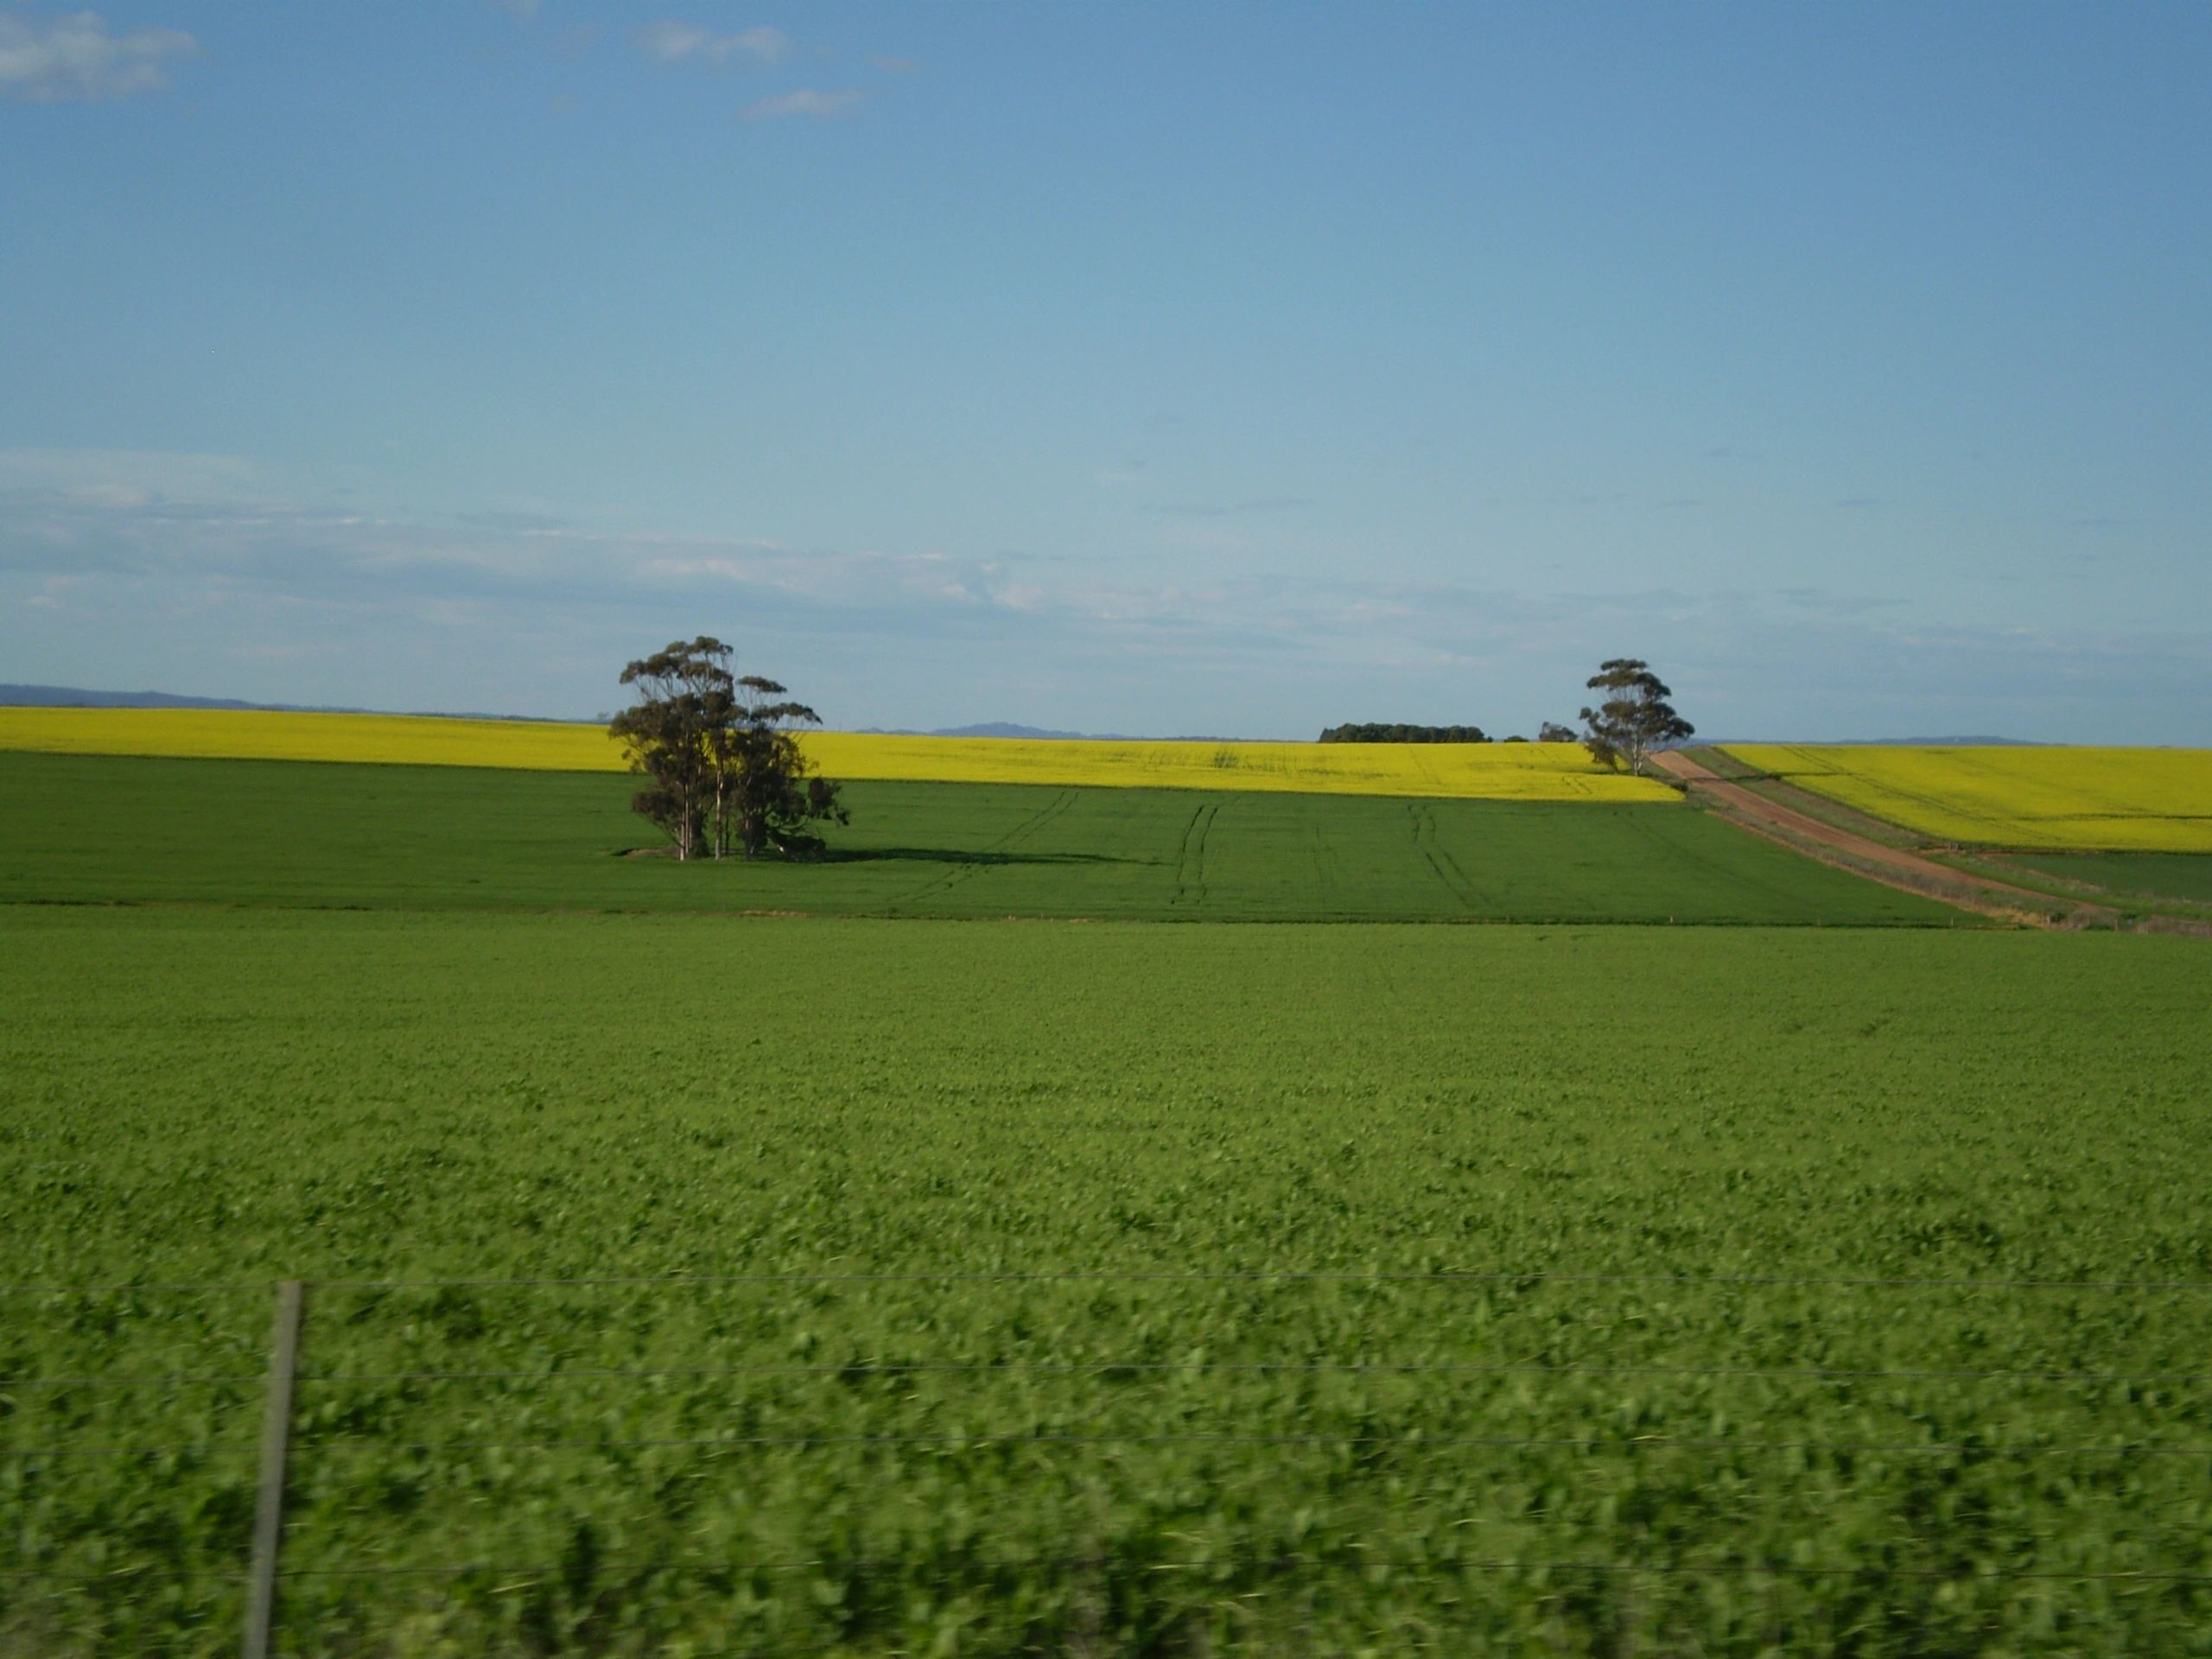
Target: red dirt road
[1891, 865]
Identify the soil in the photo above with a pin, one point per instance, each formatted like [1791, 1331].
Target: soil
[1895, 866]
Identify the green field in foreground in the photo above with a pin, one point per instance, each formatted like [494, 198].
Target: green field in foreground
[1103, 1463]
[96, 828]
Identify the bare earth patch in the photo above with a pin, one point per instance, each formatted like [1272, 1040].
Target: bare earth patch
[1893, 867]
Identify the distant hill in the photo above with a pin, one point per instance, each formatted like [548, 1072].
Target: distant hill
[1883, 742]
[1000, 728]
[70, 697]
[1953, 742]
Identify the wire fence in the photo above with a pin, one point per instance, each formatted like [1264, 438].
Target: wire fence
[280, 1448]
[1108, 1276]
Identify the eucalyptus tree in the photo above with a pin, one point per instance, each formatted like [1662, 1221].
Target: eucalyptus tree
[723, 770]
[774, 793]
[1634, 718]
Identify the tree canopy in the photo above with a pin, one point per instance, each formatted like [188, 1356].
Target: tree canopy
[1373, 733]
[724, 769]
[1635, 717]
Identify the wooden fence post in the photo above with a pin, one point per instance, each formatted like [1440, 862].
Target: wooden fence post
[276, 1444]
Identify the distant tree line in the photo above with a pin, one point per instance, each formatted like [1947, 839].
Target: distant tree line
[1372, 733]
[1633, 720]
[1376, 732]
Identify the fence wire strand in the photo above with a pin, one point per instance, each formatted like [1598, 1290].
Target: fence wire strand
[1648, 1443]
[864, 1368]
[1439, 1442]
[913, 1565]
[1680, 1281]
[1278, 1563]
[1288, 1276]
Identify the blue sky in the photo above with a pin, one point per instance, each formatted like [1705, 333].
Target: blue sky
[1223, 369]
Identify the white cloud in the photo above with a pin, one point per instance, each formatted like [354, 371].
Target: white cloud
[122, 478]
[807, 101]
[669, 41]
[120, 566]
[74, 57]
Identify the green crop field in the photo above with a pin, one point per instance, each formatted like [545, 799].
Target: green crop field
[2186, 876]
[690, 1282]
[1167, 1451]
[99, 828]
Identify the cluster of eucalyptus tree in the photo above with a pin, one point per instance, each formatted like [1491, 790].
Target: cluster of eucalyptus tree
[724, 771]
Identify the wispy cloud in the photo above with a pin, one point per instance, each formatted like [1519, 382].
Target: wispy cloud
[1231, 509]
[123, 479]
[174, 568]
[76, 58]
[669, 41]
[807, 101]
[1829, 602]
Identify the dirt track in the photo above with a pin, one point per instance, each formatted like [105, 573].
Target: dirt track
[1891, 865]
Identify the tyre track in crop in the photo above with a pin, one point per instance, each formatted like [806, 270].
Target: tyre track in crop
[1446, 868]
[1191, 858]
[1939, 809]
[1014, 839]
[1328, 875]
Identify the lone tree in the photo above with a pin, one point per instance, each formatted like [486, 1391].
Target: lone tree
[723, 768]
[1635, 717]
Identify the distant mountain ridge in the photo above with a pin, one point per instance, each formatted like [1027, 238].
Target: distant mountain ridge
[71, 696]
[1974, 742]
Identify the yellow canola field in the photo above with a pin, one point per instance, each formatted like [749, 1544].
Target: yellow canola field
[1525, 772]
[264, 735]
[1505, 772]
[2043, 799]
